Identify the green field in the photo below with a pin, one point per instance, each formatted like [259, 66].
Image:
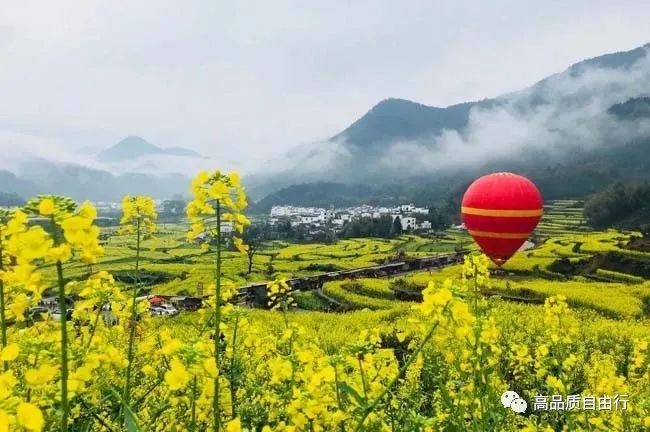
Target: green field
[182, 266]
[179, 267]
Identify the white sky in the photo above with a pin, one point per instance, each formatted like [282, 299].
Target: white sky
[245, 81]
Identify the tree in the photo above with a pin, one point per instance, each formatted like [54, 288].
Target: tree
[618, 204]
[384, 226]
[369, 227]
[253, 237]
[285, 230]
[397, 226]
[326, 236]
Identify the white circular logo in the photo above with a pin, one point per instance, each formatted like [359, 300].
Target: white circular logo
[519, 405]
[511, 399]
[508, 397]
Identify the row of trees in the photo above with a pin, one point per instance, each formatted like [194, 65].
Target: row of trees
[383, 226]
[623, 204]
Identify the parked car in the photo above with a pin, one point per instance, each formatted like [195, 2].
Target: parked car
[169, 309]
[163, 310]
[56, 314]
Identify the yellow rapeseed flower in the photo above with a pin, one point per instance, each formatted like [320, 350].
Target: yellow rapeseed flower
[149, 370]
[177, 376]
[76, 228]
[234, 179]
[210, 366]
[46, 207]
[34, 243]
[29, 417]
[60, 253]
[4, 421]
[17, 223]
[88, 211]
[45, 373]
[19, 306]
[218, 190]
[234, 425]
[9, 353]
[239, 244]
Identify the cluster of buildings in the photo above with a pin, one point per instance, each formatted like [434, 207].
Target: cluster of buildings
[108, 206]
[412, 218]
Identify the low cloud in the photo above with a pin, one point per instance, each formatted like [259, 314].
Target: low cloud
[19, 147]
[314, 159]
[560, 115]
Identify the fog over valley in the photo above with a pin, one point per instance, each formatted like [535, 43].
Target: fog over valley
[378, 99]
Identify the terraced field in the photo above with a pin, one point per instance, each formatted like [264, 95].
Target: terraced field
[174, 266]
[444, 242]
[562, 217]
[594, 270]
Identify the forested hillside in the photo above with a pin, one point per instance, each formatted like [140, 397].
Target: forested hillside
[625, 205]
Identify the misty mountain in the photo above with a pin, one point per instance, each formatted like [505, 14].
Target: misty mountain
[402, 120]
[573, 132]
[133, 147]
[12, 184]
[81, 182]
[581, 174]
[398, 119]
[36, 175]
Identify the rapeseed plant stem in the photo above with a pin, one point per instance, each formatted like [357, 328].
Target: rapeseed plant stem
[3, 326]
[217, 325]
[193, 421]
[63, 308]
[233, 378]
[3, 322]
[134, 311]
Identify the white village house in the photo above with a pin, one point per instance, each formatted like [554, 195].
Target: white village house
[337, 218]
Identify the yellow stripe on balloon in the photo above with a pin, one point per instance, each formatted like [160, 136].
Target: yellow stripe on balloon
[501, 213]
[490, 234]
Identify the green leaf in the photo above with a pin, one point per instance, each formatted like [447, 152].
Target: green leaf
[131, 421]
[350, 391]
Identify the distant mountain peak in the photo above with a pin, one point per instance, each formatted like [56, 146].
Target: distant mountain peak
[133, 147]
[136, 143]
[400, 119]
[393, 102]
[135, 140]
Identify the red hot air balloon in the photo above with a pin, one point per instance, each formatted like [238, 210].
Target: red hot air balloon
[500, 212]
